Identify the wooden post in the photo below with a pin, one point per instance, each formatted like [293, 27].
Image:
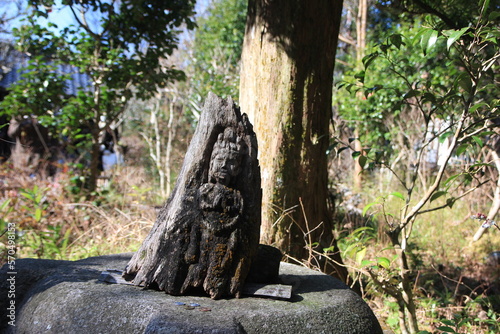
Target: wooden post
[207, 233]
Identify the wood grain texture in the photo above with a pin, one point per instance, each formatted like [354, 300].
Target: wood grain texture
[207, 233]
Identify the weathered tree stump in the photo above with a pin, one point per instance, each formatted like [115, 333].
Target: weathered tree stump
[207, 233]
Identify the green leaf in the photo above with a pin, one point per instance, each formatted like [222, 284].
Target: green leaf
[429, 97]
[360, 230]
[28, 196]
[454, 36]
[412, 93]
[437, 194]
[481, 164]
[362, 160]
[384, 262]
[396, 40]
[342, 149]
[360, 255]
[367, 60]
[360, 76]
[450, 179]
[38, 214]
[478, 141]
[367, 207]
[329, 249]
[447, 322]
[446, 329]
[493, 16]
[443, 137]
[462, 148]
[487, 133]
[351, 250]
[355, 154]
[464, 82]
[433, 37]
[331, 148]
[66, 239]
[477, 106]
[366, 263]
[341, 84]
[398, 195]
[428, 40]
[384, 47]
[349, 88]
[4, 204]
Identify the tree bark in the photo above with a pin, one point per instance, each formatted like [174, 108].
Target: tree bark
[286, 89]
[361, 18]
[495, 205]
[208, 231]
[94, 160]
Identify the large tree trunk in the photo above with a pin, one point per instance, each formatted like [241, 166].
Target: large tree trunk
[207, 234]
[286, 89]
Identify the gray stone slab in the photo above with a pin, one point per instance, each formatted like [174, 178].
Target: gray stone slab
[66, 297]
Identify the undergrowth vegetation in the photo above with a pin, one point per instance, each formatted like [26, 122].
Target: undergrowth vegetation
[455, 281]
[52, 219]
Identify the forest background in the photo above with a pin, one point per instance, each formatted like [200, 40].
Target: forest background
[404, 178]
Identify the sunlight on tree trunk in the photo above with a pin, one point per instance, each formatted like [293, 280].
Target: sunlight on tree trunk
[495, 206]
[154, 140]
[168, 149]
[286, 89]
[159, 138]
[360, 53]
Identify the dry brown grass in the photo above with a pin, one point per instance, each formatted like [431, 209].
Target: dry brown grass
[51, 221]
[452, 278]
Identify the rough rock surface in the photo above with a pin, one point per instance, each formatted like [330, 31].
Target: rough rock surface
[66, 297]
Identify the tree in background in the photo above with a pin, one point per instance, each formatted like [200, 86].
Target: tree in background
[450, 14]
[352, 43]
[164, 118]
[216, 50]
[9, 12]
[119, 47]
[437, 84]
[286, 88]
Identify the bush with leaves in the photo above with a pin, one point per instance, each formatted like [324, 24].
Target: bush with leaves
[119, 46]
[460, 107]
[217, 49]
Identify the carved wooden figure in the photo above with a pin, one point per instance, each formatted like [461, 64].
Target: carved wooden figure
[207, 233]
